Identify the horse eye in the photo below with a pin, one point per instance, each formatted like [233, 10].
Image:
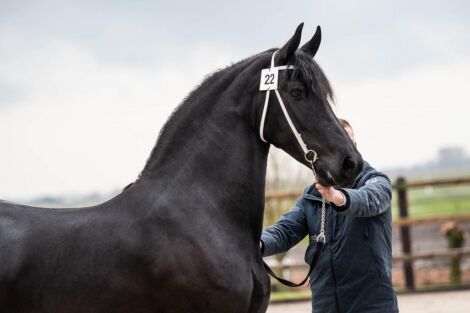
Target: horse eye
[296, 93]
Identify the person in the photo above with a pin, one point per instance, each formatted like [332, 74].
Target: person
[353, 272]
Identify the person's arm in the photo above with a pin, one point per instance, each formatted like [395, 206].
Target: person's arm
[371, 199]
[287, 232]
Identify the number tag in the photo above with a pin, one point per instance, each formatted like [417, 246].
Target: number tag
[269, 79]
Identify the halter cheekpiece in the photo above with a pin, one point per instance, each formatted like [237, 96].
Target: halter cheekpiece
[269, 81]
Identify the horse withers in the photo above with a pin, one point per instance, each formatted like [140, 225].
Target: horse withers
[185, 236]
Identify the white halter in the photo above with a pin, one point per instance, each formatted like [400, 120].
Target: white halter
[271, 76]
[275, 69]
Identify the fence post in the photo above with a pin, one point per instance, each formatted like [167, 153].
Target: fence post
[405, 233]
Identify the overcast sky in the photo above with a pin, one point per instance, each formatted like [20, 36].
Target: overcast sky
[85, 86]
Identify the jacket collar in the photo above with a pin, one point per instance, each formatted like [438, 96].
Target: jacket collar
[312, 193]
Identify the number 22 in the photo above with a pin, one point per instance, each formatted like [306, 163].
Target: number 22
[269, 79]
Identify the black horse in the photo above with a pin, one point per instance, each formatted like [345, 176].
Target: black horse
[185, 236]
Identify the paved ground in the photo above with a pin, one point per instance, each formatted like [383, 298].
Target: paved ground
[436, 302]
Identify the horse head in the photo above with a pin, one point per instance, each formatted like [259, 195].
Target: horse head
[303, 97]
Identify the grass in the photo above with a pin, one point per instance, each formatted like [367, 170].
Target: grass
[436, 201]
[284, 296]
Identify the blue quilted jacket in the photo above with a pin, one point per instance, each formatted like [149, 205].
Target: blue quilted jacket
[353, 273]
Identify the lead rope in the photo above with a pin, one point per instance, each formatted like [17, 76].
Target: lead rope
[321, 235]
[318, 248]
[311, 157]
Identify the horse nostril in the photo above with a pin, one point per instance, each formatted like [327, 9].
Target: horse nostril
[349, 165]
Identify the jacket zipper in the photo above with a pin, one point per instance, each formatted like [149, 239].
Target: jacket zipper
[333, 273]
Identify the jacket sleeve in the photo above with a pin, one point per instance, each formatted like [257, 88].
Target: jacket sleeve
[287, 232]
[371, 199]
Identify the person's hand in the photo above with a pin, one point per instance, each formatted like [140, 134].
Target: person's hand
[331, 194]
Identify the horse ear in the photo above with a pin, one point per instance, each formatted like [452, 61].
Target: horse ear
[312, 46]
[289, 48]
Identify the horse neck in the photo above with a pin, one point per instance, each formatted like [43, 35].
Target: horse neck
[219, 144]
[209, 150]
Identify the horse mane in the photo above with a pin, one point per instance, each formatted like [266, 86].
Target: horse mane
[306, 69]
[211, 84]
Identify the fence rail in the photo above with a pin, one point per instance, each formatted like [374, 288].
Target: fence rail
[431, 219]
[423, 255]
[437, 254]
[404, 223]
[433, 182]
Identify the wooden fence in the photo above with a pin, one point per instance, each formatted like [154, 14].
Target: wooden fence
[404, 223]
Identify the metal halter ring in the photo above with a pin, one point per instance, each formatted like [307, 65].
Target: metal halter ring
[321, 237]
[315, 156]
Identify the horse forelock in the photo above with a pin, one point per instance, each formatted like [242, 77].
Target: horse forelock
[310, 73]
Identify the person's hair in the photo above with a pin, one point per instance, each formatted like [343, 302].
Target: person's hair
[345, 123]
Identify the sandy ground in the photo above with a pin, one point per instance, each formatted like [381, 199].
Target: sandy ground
[437, 302]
